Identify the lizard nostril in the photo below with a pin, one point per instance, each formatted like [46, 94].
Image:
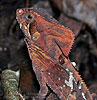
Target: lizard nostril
[20, 11]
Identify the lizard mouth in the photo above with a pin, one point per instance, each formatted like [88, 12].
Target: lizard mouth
[24, 26]
[25, 18]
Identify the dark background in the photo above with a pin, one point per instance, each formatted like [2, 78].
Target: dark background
[13, 51]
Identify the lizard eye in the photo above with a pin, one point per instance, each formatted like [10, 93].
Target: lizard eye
[30, 18]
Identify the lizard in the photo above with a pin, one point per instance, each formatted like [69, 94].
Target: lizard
[49, 44]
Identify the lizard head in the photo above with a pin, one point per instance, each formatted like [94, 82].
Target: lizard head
[24, 18]
[44, 32]
[33, 24]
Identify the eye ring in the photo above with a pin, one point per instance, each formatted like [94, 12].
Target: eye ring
[29, 18]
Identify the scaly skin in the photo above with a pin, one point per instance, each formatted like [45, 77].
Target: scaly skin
[49, 44]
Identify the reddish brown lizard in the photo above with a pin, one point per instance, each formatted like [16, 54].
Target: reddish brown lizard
[49, 44]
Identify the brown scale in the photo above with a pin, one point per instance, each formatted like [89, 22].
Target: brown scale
[49, 55]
